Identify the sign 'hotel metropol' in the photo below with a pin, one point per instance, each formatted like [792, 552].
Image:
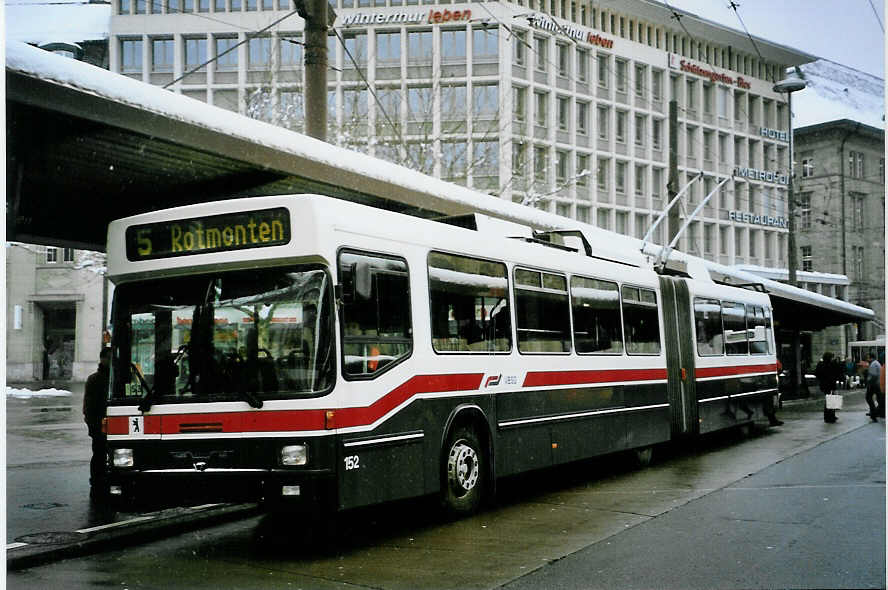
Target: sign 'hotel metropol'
[559, 104]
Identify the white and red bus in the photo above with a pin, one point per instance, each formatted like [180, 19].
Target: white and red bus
[319, 354]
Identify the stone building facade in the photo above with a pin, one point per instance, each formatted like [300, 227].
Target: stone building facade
[840, 219]
[55, 309]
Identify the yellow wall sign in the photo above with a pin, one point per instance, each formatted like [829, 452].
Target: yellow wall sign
[202, 235]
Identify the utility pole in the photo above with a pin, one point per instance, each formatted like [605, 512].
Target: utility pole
[318, 18]
[790, 84]
[672, 184]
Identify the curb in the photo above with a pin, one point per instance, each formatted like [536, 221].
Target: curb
[138, 529]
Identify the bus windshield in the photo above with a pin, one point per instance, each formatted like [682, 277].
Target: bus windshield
[241, 335]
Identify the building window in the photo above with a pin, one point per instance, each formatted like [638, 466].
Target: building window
[541, 108]
[640, 78]
[485, 158]
[657, 134]
[540, 163]
[639, 130]
[52, 255]
[620, 177]
[582, 117]
[603, 174]
[259, 53]
[485, 101]
[656, 182]
[131, 55]
[640, 174]
[621, 75]
[541, 51]
[805, 211]
[563, 113]
[582, 169]
[857, 259]
[195, 53]
[563, 59]
[68, 255]
[291, 52]
[603, 117]
[857, 203]
[582, 64]
[226, 53]
[124, 7]
[519, 99]
[519, 48]
[621, 127]
[603, 219]
[355, 50]
[388, 48]
[419, 47]
[855, 164]
[453, 46]
[657, 85]
[808, 167]
[603, 71]
[519, 154]
[485, 45]
[807, 259]
[561, 166]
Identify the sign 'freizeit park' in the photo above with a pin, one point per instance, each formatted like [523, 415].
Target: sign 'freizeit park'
[202, 235]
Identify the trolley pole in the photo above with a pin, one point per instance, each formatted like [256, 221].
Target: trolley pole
[318, 18]
[672, 184]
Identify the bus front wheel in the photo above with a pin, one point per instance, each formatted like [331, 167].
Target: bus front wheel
[464, 472]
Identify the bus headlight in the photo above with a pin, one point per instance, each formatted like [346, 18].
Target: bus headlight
[122, 458]
[294, 455]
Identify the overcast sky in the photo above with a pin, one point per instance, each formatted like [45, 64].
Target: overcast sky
[844, 31]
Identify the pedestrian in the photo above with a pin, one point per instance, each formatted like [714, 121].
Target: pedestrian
[94, 400]
[875, 399]
[828, 372]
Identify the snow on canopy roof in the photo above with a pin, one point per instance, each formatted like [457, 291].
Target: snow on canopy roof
[60, 22]
[111, 86]
[837, 92]
[84, 77]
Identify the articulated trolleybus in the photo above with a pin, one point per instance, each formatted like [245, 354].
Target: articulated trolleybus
[318, 354]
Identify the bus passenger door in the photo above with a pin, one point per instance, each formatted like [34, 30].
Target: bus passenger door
[680, 364]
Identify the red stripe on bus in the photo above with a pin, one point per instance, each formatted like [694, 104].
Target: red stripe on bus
[293, 420]
[541, 378]
[730, 371]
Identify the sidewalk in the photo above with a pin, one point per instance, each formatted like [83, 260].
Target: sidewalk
[50, 516]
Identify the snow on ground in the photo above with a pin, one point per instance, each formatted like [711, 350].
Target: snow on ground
[27, 393]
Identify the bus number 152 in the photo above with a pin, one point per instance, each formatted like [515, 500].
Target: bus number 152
[352, 462]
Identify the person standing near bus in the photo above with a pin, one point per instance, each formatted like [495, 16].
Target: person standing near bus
[877, 406]
[94, 395]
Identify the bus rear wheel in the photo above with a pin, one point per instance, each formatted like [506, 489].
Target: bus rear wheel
[465, 466]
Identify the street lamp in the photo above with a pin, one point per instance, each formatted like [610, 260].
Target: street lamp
[792, 83]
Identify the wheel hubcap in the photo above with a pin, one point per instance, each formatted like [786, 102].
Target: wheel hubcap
[462, 468]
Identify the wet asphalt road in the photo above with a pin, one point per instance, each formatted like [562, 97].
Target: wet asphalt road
[798, 506]
[814, 520]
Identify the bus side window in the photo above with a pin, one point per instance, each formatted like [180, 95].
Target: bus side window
[596, 316]
[734, 320]
[469, 300]
[758, 328]
[708, 323]
[641, 323]
[377, 332]
[542, 312]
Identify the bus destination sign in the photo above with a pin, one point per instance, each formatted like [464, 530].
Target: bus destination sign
[203, 235]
